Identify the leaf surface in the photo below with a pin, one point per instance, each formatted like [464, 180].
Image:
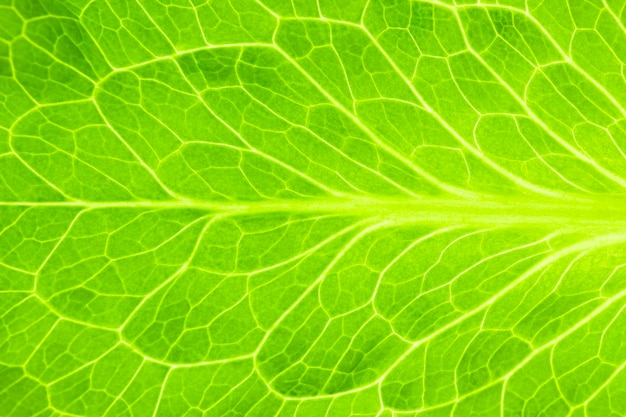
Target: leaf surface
[295, 208]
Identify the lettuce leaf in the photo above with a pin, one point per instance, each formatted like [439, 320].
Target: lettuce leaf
[298, 208]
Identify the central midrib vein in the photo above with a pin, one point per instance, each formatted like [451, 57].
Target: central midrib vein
[524, 210]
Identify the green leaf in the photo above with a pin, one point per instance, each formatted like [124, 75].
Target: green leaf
[293, 208]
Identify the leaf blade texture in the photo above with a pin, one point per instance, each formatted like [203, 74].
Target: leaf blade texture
[312, 208]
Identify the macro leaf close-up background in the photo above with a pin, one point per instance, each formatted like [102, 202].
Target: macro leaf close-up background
[312, 208]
